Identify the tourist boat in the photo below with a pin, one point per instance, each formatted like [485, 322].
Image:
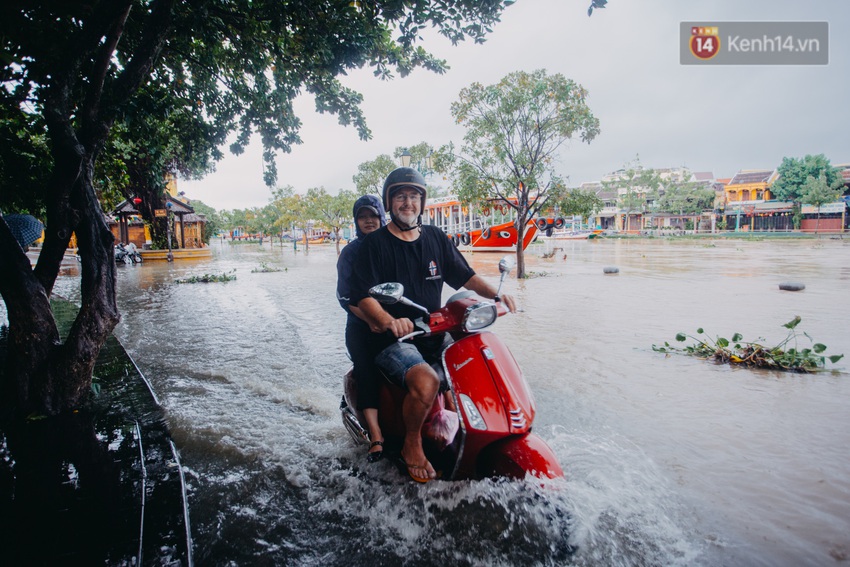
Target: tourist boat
[562, 229]
[574, 234]
[480, 229]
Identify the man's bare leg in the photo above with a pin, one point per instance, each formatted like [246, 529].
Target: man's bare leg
[422, 387]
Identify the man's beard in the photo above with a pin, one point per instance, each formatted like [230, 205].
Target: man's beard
[407, 219]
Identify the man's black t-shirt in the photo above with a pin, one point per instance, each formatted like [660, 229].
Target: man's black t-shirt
[422, 266]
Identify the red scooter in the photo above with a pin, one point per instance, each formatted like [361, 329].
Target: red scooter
[483, 427]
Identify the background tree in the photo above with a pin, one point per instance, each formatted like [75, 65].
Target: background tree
[794, 173]
[214, 222]
[370, 175]
[159, 136]
[685, 198]
[238, 64]
[577, 202]
[514, 130]
[247, 219]
[816, 191]
[333, 212]
[24, 157]
[280, 204]
[302, 212]
[634, 185]
[297, 212]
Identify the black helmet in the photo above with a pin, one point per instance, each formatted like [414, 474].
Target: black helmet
[400, 178]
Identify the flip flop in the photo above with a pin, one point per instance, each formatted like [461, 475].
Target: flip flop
[419, 479]
[374, 457]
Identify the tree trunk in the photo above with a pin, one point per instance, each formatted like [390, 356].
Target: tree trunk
[48, 376]
[520, 224]
[153, 198]
[32, 330]
[99, 311]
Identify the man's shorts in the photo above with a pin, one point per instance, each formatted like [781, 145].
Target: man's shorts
[398, 358]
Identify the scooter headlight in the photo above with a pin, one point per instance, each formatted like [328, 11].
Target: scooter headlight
[479, 316]
[473, 416]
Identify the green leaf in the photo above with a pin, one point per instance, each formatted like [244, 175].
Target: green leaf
[700, 331]
[681, 337]
[721, 342]
[737, 337]
[835, 358]
[819, 347]
[793, 322]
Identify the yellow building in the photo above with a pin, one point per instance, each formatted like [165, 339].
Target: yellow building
[750, 206]
[750, 185]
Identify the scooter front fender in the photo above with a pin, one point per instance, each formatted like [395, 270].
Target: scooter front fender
[517, 456]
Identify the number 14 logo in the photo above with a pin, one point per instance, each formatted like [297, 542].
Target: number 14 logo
[705, 42]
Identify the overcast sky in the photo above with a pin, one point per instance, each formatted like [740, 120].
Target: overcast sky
[707, 118]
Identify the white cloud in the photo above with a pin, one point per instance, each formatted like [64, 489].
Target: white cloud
[719, 119]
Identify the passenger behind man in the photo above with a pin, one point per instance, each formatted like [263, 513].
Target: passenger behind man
[369, 216]
[421, 258]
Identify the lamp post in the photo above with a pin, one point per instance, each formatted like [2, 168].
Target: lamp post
[168, 205]
[425, 166]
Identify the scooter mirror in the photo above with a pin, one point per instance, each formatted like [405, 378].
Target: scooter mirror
[387, 293]
[506, 264]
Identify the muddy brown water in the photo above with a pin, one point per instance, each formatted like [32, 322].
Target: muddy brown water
[669, 460]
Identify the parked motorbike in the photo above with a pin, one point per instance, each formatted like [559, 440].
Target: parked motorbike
[488, 431]
[128, 254]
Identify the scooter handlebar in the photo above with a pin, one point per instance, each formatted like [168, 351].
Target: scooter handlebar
[410, 335]
[422, 329]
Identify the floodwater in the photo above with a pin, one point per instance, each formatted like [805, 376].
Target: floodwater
[669, 460]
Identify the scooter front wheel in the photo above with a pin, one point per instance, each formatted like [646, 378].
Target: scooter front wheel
[518, 456]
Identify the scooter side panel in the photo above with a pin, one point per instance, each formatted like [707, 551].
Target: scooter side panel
[469, 373]
[512, 384]
[481, 367]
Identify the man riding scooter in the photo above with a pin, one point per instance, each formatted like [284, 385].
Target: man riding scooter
[421, 258]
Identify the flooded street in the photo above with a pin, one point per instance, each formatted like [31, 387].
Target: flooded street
[668, 460]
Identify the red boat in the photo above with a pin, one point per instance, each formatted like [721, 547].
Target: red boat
[485, 229]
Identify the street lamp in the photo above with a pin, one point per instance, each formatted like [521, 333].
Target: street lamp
[168, 206]
[425, 167]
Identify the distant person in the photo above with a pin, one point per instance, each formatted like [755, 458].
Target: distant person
[369, 216]
[422, 258]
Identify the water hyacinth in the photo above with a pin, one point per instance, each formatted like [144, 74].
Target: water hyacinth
[754, 354]
[208, 278]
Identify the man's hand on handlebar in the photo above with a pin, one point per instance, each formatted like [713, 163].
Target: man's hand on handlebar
[400, 327]
[509, 302]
